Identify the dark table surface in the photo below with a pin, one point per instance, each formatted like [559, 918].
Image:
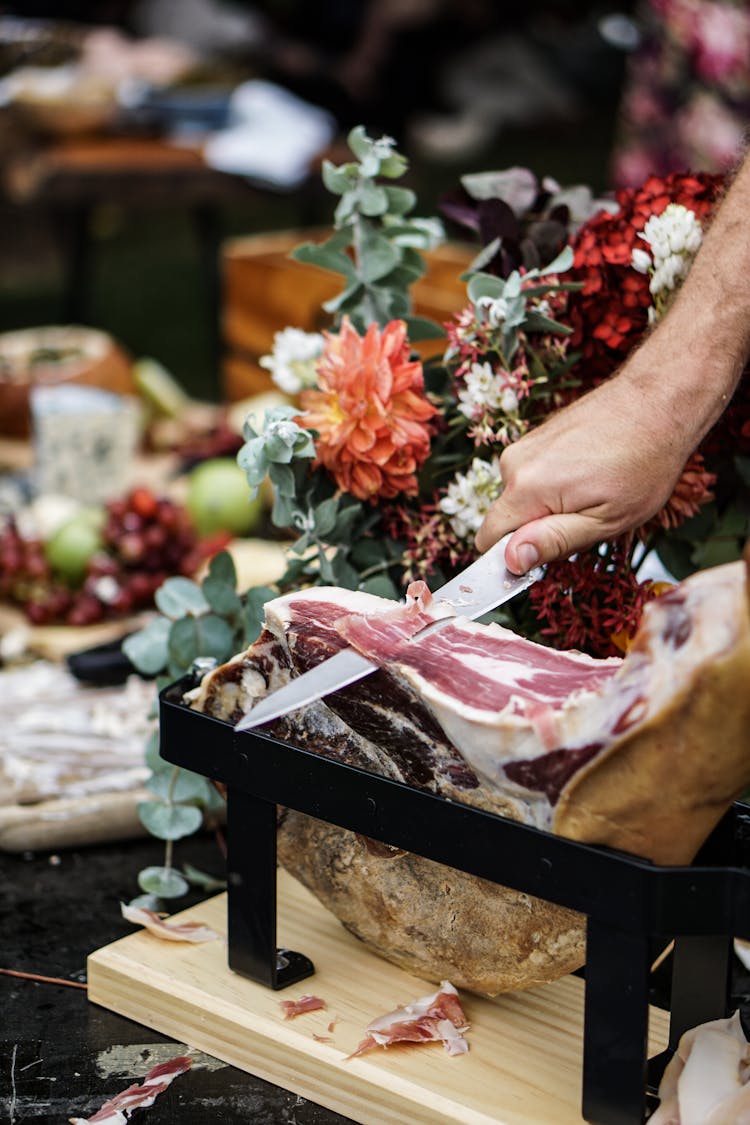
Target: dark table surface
[61, 1056]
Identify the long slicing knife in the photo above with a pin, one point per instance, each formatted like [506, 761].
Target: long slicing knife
[483, 585]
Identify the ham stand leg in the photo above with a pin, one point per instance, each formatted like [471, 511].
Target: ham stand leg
[251, 877]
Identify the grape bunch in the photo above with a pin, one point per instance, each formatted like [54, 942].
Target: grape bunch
[145, 539]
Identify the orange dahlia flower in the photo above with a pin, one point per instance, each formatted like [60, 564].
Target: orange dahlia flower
[371, 411]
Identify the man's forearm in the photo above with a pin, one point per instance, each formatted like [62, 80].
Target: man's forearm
[701, 347]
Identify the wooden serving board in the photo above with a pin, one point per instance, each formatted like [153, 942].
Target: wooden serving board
[523, 1065]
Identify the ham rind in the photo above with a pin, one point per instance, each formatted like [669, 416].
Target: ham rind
[168, 931]
[117, 1110]
[643, 754]
[438, 1017]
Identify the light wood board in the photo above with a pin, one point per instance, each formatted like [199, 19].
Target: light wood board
[523, 1066]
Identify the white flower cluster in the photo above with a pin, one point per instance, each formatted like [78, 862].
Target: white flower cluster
[293, 360]
[470, 495]
[673, 238]
[486, 390]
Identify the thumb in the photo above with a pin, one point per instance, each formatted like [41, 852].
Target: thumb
[550, 538]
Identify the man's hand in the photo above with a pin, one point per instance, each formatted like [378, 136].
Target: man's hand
[610, 461]
[599, 467]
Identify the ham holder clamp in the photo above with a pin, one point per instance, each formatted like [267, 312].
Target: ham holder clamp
[630, 904]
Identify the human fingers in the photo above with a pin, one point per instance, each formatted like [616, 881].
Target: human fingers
[552, 537]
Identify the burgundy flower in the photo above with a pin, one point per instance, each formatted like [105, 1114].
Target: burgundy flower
[592, 602]
[610, 313]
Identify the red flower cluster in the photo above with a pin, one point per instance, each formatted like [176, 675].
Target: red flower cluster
[610, 313]
[592, 602]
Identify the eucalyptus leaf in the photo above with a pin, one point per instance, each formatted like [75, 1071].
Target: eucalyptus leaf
[325, 566]
[337, 180]
[148, 902]
[373, 199]
[381, 585]
[393, 166]
[400, 200]
[324, 257]
[163, 882]
[169, 822]
[183, 643]
[151, 755]
[179, 596]
[215, 637]
[359, 142]
[561, 263]
[283, 480]
[352, 293]
[325, 517]
[344, 573]
[255, 600]
[379, 258]
[147, 650]
[221, 596]
[420, 328]
[202, 879]
[283, 511]
[538, 322]
[484, 286]
[179, 786]
[346, 518]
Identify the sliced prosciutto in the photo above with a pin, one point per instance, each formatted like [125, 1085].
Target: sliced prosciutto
[294, 1008]
[117, 1110]
[168, 931]
[642, 754]
[438, 1017]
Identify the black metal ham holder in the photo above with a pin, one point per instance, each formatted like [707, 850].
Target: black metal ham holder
[629, 903]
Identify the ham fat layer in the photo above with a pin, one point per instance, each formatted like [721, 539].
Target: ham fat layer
[474, 710]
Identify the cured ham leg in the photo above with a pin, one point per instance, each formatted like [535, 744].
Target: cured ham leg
[643, 754]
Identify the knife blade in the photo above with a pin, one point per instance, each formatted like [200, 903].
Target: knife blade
[483, 585]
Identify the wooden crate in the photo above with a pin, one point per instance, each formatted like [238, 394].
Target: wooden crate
[265, 291]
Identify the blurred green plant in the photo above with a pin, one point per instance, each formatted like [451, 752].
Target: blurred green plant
[197, 620]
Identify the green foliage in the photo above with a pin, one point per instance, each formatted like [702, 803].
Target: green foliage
[197, 620]
[375, 245]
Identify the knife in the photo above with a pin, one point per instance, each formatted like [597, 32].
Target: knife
[483, 585]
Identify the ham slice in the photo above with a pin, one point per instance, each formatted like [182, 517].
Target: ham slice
[294, 1008]
[117, 1110]
[168, 931]
[434, 1018]
[642, 754]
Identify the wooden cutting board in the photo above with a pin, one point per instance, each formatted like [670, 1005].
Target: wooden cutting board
[525, 1048]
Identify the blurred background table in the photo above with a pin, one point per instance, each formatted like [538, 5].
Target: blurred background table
[70, 179]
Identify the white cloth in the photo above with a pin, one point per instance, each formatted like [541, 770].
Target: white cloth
[273, 136]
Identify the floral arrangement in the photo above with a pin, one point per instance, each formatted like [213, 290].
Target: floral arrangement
[384, 465]
[389, 465]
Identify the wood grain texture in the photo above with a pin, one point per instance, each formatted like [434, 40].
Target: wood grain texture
[523, 1066]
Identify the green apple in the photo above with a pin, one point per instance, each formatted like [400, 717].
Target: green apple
[73, 544]
[219, 498]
